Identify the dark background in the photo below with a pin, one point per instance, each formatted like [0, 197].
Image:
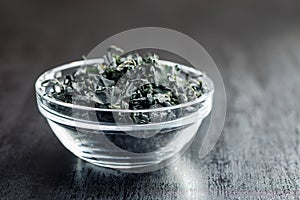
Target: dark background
[256, 45]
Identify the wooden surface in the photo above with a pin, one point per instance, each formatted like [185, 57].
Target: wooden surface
[256, 45]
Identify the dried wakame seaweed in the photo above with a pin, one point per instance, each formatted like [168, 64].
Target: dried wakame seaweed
[131, 82]
[126, 82]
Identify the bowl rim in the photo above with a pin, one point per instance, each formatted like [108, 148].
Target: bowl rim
[42, 77]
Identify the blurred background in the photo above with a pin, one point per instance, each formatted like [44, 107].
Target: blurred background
[255, 44]
[55, 32]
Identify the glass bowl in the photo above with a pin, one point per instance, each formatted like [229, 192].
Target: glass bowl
[119, 144]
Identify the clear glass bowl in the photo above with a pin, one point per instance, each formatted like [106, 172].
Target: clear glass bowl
[122, 145]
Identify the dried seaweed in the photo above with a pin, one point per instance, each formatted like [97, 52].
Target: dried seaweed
[126, 82]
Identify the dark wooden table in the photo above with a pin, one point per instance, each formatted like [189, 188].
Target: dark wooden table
[256, 45]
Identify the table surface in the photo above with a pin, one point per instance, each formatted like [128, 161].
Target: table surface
[256, 45]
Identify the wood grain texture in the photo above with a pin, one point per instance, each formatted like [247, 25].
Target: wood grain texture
[256, 45]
